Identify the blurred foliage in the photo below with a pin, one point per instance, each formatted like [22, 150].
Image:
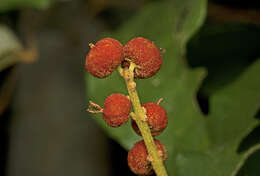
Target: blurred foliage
[225, 50]
[197, 144]
[6, 5]
[9, 45]
[251, 168]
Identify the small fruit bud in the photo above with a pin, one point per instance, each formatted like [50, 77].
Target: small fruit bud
[156, 119]
[145, 54]
[138, 158]
[116, 110]
[104, 57]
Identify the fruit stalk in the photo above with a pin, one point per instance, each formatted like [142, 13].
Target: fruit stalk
[128, 75]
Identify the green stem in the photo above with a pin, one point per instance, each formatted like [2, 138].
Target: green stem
[128, 75]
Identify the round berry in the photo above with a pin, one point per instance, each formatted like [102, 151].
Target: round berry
[156, 119]
[138, 160]
[145, 54]
[104, 57]
[116, 110]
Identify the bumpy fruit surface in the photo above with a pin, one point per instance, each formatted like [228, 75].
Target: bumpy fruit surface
[116, 110]
[156, 118]
[145, 54]
[137, 158]
[104, 57]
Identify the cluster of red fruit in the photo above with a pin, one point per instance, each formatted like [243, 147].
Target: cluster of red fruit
[104, 57]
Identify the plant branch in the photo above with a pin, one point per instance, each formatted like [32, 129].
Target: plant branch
[227, 14]
[94, 108]
[140, 116]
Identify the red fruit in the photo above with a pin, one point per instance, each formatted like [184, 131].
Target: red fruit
[116, 110]
[137, 158]
[156, 119]
[145, 54]
[104, 57]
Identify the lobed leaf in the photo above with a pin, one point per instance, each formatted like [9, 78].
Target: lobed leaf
[197, 145]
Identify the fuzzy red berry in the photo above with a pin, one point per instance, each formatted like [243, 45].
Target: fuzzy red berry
[156, 119]
[116, 110]
[145, 54]
[104, 57]
[138, 160]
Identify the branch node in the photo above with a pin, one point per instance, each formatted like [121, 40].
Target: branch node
[132, 85]
[91, 45]
[94, 108]
[120, 71]
[150, 158]
[132, 114]
[162, 50]
[144, 110]
[144, 118]
[159, 101]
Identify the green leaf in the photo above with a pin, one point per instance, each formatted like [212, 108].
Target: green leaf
[8, 46]
[231, 119]
[15, 4]
[197, 145]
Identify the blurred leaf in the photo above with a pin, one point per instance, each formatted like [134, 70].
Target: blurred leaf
[15, 4]
[197, 145]
[226, 50]
[7, 86]
[9, 45]
[251, 167]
